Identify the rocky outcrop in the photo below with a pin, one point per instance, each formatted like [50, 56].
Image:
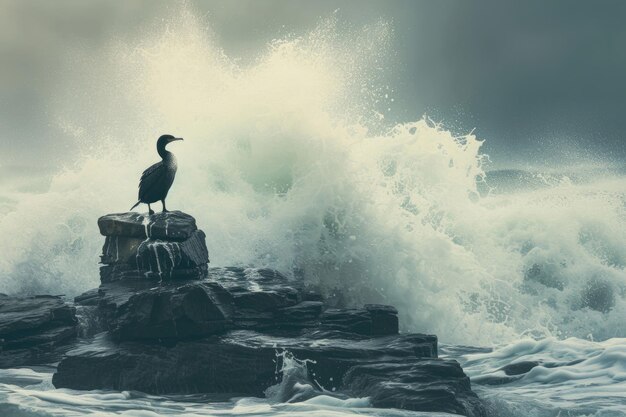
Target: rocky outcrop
[414, 383]
[227, 330]
[172, 312]
[239, 361]
[34, 330]
[161, 246]
[225, 333]
[228, 298]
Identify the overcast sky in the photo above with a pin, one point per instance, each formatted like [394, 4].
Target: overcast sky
[530, 76]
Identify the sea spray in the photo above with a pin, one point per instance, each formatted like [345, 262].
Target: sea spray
[286, 164]
[295, 384]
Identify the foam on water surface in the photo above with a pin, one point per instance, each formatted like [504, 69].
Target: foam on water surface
[572, 377]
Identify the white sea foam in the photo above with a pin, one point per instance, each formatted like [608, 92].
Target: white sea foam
[573, 377]
[286, 164]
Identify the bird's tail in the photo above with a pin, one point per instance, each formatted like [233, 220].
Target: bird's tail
[136, 204]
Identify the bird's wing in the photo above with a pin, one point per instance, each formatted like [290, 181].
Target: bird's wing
[150, 177]
[150, 171]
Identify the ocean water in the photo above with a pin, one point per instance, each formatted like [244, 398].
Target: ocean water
[289, 162]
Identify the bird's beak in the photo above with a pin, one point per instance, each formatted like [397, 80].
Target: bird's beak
[177, 139]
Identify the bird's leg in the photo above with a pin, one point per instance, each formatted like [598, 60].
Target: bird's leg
[164, 209]
[150, 211]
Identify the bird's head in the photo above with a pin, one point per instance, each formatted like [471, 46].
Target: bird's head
[162, 143]
[165, 139]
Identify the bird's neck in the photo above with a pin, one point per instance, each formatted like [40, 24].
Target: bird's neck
[165, 154]
[169, 160]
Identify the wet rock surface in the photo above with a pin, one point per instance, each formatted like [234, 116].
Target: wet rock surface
[172, 313]
[199, 336]
[227, 330]
[373, 319]
[416, 384]
[34, 330]
[228, 298]
[161, 246]
[239, 361]
[163, 258]
[171, 225]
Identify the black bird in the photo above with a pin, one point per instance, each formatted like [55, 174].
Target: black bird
[156, 181]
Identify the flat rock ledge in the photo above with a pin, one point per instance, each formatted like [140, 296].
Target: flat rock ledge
[162, 246]
[162, 322]
[35, 330]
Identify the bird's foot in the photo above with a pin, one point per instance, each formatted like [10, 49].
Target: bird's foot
[151, 212]
[165, 211]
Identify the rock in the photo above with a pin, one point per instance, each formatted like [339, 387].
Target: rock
[111, 273]
[353, 320]
[33, 330]
[334, 352]
[228, 330]
[120, 272]
[261, 297]
[302, 315]
[187, 367]
[225, 334]
[88, 298]
[172, 225]
[519, 368]
[173, 313]
[258, 289]
[163, 257]
[161, 246]
[230, 298]
[113, 297]
[373, 319]
[246, 363]
[384, 319]
[120, 250]
[288, 320]
[421, 384]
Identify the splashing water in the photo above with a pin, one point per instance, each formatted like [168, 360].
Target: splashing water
[287, 164]
[297, 386]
